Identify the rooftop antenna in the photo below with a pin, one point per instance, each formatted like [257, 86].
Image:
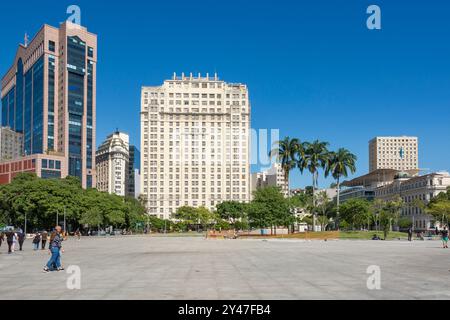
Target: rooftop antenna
[26, 40]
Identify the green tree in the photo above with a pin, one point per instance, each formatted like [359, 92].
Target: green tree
[390, 215]
[231, 211]
[440, 211]
[394, 208]
[386, 222]
[404, 223]
[187, 214]
[376, 209]
[44, 201]
[270, 208]
[135, 212]
[356, 213]
[324, 209]
[315, 157]
[92, 217]
[339, 165]
[286, 151]
[205, 217]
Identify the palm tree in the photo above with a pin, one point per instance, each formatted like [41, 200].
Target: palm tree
[315, 157]
[339, 164]
[285, 151]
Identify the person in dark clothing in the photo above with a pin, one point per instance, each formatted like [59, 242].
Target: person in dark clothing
[445, 237]
[36, 241]
[21, 238]
[10, 240]
[44, 236]
[410, 234]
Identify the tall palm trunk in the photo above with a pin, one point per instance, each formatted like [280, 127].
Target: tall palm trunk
[338, 202]
[287, 181]
[314, 201]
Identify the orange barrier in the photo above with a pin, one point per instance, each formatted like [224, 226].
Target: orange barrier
[230, 234]
[328, 235]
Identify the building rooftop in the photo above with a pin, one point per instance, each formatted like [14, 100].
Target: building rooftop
[393, 137]
[377, 176]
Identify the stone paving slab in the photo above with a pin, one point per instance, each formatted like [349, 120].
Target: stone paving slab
[158, 268]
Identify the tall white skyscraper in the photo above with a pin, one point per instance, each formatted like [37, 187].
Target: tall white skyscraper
[195, 144]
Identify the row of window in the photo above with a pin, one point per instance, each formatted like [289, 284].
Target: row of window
[179, 95]
[51, 164]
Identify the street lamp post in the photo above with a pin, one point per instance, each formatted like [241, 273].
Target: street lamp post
[65, 230]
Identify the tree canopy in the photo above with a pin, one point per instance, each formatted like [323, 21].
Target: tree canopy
[439, 207]
[45, 201]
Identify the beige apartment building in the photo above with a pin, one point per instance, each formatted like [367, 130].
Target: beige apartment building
[413, 188]
[112, 164]
[49, 96]
[11, 144]
[195, 143]
[398, 153]
[273, 177]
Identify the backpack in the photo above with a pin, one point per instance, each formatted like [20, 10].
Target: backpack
[37, 239]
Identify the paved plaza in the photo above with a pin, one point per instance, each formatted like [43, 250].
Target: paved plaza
[158, 268]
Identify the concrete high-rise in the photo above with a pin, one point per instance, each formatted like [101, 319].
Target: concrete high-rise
[195, 144]
[398, 153]
[112, 161]
[274, 177]
[49, 96]
[134, 173]
[11, 144]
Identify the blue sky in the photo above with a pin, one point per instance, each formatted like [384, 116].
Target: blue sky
[313, 69]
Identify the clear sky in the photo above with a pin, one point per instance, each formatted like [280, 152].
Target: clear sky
[313, 68]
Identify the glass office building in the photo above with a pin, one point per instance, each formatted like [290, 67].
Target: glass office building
[49, 96]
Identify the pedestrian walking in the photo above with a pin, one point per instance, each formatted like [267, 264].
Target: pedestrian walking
[410, 234]
[10, 240]
[56, 239]
[445, 238]
[2, 236]
[36, 241]
[78, 234]
[21, 239]
[14, 241]
[44, 236]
